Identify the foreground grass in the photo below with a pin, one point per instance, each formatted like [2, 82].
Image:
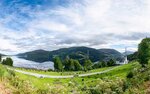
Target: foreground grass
[41, 82]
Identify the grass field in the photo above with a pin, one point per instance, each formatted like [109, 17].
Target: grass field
[120, 72]
[114, 80]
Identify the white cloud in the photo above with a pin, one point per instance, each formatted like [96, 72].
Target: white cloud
[94, 23]
[48, 25]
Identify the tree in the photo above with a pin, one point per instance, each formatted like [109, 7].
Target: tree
[103, 64]
[8, 61]
[87, 64]
[0, 58]
[77, 65]
[71, 65]
[66, 63]
[58, 64]
[111, 62]
[97, 65]
[4, 62]
[144, 51]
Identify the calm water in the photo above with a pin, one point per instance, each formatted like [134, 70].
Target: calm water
[19, 62]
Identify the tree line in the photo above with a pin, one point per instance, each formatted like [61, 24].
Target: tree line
[75, 65]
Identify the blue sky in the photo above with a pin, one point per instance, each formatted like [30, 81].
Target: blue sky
[27, 25]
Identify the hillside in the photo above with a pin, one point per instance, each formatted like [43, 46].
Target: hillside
[37, 55]
[2, 54]
[73, 52]
[127, 53]
[79, 53]
[111, 53]
[133, 56]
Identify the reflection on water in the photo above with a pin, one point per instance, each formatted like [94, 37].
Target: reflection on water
[19, 62]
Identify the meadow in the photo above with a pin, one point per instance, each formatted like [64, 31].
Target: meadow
[116, 81]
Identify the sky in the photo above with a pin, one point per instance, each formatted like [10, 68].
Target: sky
[27, 25]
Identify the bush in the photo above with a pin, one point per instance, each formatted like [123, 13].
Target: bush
[130, 74]
[8, 61]
[108, 87]
[49, 70]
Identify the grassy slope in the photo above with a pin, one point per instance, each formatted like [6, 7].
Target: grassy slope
[120, 72]
[42, 82]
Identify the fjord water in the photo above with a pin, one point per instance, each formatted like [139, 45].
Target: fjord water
[19, 62]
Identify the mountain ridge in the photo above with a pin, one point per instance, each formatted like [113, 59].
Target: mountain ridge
[78, 53]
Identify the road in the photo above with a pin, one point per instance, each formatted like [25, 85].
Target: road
[68, 76]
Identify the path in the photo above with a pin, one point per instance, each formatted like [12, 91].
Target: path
[51, 76]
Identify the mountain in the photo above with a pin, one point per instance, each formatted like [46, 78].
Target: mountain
[111, 54]
[37, 55]
[79, 53]
[2, 54]
[127, 53]
[133, 56]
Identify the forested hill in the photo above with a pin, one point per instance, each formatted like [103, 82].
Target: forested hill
[2, 54]
[79, 53]
[111, 53]
[37, 55]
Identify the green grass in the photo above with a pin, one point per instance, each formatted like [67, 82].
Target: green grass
[42, 82]
[120, 72]
[112, 80]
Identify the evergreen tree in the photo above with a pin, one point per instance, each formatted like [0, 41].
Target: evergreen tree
[111, 62]
[77, 65]
[66, 63]
[104, 64]
[71, 65]
[144, 51]
[58, 64]
[87, 64]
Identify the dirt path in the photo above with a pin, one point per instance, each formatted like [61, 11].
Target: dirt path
[68, 76]
[3, 89]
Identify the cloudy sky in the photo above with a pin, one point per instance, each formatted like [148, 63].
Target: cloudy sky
[27, 25]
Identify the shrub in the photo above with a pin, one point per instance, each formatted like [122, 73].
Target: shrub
[108, 87]
[130, 74]
[8, 61]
